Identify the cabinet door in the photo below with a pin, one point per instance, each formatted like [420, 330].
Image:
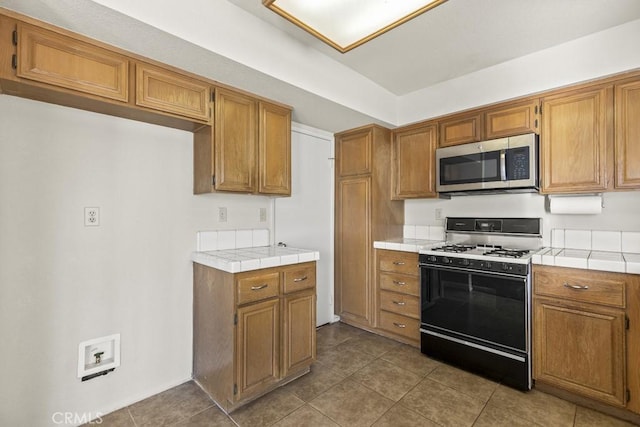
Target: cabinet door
[274, 150]
[580, 348]
[576, 130]
[353, 153]
[257, 347]
[512, 119]
[461, 129]
[235, 142]
[353, 250]
[299, 331]
[54, 59]
[627, 116]
[170, 92]
[413, 163]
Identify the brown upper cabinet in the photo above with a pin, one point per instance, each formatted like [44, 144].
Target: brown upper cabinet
[51, 58]
[461, 128]
[627, 128]
[274, 149]
[247, 149]
[510, 119]
[413, 162]
[577, 131]
[170, 92]
[506, 119]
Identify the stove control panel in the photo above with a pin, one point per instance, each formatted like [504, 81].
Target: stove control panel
[475, 264]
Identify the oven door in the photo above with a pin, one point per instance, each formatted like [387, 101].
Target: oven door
[489, 310]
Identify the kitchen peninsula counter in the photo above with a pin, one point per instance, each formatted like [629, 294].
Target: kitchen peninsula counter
[253, 258]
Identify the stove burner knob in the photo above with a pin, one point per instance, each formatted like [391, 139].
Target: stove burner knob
[464, 262]
[431, 258]
[487, 264]
[445, 260]
[505, 266]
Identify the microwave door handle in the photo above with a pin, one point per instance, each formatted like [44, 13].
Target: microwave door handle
[503, 165]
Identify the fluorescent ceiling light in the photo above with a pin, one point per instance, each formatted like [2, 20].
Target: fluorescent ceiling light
[346, 24]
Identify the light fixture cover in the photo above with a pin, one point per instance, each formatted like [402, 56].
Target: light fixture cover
[346, 24]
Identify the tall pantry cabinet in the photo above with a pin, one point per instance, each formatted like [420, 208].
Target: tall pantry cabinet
[364, 213]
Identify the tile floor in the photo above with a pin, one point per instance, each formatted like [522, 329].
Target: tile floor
[361, 379]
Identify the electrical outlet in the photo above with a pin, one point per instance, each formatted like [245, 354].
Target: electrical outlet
[91, 217]
[263, 214]
[222, 214]
[438, 213]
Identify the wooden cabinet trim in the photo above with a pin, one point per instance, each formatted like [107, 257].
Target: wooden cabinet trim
[413, 162]
[461, 129]
[274, 149]
[513, 118]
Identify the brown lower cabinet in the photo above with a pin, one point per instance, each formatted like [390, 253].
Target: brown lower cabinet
[252, 331]
[398, 302]
[586, 333]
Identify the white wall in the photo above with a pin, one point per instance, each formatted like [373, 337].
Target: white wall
[620, 211]
[607, 52]
[62, 283]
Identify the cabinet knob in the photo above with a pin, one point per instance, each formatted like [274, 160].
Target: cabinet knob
[257, 288]
[396, 282]
[399, 302]
[300, 279]
[399, 325]
[398, 263]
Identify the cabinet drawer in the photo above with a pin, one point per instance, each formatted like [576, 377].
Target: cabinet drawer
[406, 305]
[400, 325]
[590, 287]
[258, 287]
[398, 262]
[298, 278]
[400, 283]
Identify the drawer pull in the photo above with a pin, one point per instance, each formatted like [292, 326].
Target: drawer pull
[300, 279]
[397, 282]
[399, 303]
[399, 325]
[576, 287]
[398, 263]
[257, 288]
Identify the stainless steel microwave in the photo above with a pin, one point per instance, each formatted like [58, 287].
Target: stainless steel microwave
[502, 165]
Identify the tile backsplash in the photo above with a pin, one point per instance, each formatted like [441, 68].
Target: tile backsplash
[425, 232]
[596, 240]
[231, 239]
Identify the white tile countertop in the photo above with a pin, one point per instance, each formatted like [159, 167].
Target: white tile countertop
[589, 260]
[406, 245]
[254, 258]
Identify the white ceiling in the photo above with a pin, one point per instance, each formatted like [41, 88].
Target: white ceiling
[462, 54]
[463, 36]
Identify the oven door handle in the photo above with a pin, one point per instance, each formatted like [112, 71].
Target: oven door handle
[473, 271]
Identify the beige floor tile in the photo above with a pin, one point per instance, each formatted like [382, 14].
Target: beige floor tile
[119, 418]
[463, 381]
[306, 416]
[320, 379]
[171, 406]
[532, 405]
[399, 416]
[334, 334]
[388, 379]
[372, 344]
[411, 359]
[212, 417]
[351, 404]
[442, 404]
[344, 359]
[267, 410]
[494, 416]
[590, 418]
